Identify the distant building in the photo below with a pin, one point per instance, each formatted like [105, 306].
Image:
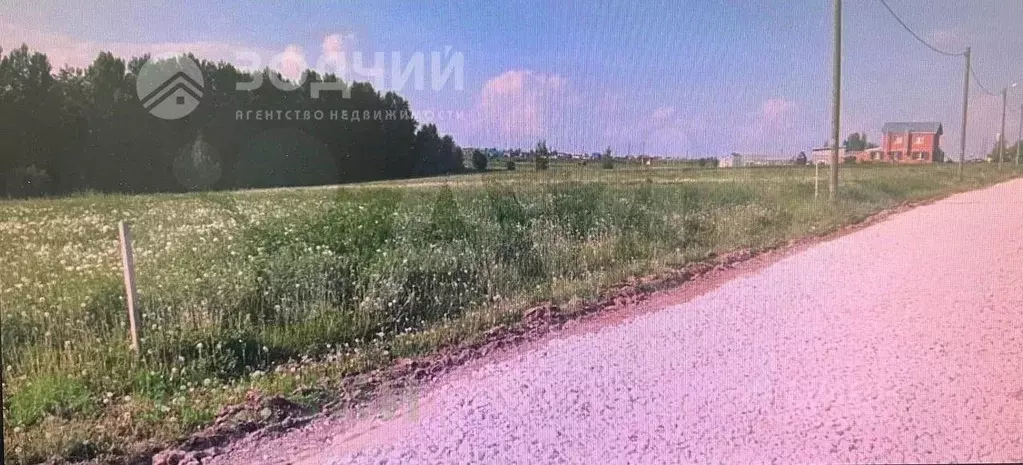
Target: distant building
[910, 142]
[732, 161]
[766, 160]
[737, 160]
[822, 155]
[869, 155]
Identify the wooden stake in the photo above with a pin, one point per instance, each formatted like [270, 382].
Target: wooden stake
[131, 296]
[816, 179]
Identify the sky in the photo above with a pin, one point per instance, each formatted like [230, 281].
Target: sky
[677, 78]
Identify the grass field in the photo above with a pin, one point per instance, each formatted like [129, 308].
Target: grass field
[233, 284]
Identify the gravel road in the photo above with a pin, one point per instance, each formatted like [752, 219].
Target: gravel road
[901, 342]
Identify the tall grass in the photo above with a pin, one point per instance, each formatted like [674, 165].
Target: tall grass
[235, 284]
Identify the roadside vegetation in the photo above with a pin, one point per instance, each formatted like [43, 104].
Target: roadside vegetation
[235, 284]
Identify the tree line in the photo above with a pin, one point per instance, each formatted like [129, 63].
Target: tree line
[77, 130]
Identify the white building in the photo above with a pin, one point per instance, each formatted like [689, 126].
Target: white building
[823, 155]
[736, 160]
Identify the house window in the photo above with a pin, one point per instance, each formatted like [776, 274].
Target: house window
[918, 140]
[898, 139]
[896, 155]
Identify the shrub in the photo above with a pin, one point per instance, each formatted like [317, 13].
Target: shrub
[607, 160]
[479, 160]
[542, 163]
[510, 165]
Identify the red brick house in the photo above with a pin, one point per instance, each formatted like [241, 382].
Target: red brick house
[909, 142]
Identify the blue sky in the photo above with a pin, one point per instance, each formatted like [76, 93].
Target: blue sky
[683, 78]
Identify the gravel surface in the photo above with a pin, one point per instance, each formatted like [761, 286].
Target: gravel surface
[902, 342]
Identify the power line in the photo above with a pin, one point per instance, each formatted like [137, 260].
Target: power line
[977, 81]
[914, 34]
[922, 41]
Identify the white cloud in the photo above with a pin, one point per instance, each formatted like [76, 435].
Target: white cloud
[951, 40]
[776, 110]
[772, 128]
[663, 113]
[66, 50]
[337, 44]
[521, 104]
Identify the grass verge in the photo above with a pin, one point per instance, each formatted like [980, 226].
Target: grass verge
[287, 291]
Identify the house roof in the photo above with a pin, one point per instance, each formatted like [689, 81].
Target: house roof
[928, 127]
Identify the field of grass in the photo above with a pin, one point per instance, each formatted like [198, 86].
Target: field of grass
[234, 284]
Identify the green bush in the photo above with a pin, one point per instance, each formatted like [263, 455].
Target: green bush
[479, 160]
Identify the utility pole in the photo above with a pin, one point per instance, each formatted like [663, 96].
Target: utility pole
[836, 101]
[966, 106]
[1019, 138]
[1, 395]
[1001, 135]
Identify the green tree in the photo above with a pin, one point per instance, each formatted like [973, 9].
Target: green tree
[607, 160]
[85, 129]
[479, 160]
[856, 142]
[542, 155]
[32, 120]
